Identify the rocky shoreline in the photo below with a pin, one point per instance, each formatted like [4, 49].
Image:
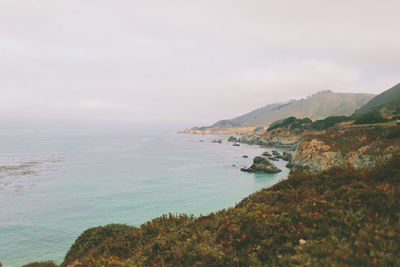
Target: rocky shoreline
[360, 147]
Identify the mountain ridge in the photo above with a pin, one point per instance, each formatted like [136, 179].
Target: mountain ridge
[388, 100]
[316, 106]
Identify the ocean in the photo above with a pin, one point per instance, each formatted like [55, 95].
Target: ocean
[55, 184]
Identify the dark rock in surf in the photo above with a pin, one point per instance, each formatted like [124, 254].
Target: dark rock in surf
[261, 164]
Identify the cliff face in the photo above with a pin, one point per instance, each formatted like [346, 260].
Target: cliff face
[281, 137]
[353, 146]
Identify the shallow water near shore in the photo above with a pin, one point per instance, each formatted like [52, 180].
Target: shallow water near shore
[56, 184]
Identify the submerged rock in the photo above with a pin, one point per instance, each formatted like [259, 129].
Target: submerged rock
[261, 164]
[217, 141]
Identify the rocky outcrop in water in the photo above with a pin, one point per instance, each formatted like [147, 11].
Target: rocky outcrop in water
[233, 139]
[261, 164]
[276, 154]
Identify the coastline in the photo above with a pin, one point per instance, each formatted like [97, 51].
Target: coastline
[293, 217]
[208, 189]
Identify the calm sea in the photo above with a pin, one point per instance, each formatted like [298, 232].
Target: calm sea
[56, 184]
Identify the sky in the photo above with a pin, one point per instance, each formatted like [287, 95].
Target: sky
[187, 62]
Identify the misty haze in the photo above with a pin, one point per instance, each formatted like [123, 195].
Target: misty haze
[199, 133]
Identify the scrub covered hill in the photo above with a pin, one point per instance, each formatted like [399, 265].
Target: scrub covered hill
[315, 107]
[381, 108]
[388, 101]
[341, 216]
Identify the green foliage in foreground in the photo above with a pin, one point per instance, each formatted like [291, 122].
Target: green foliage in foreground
[341, 217]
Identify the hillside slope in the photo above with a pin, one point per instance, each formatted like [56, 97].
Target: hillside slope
[357, 146]
[238, 121]
[388, 100]
[315, 107]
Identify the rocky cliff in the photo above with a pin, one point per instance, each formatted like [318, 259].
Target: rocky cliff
[364, 146]
[281, 137]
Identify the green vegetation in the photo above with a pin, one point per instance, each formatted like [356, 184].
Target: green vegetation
[317, 106]
[281, 123]
[353, 138]
[291, 122]
[389, 98]
[394, 134]
[342, 217]
[328, 122]
[294, 123]
[370, 118]
[299, 123]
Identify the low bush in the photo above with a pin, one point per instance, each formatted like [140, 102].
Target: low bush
[394, 134]
[370, 118]
[291, 122]
[328, 122]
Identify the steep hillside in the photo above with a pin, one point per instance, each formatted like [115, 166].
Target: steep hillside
[357, 146]
[315, 107]
[252, 115]
[386, 103]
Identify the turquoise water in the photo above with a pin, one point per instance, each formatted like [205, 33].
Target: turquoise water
[56, 184]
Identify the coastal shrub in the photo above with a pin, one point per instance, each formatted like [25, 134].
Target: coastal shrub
[394, 134]
[328, 122]
[299, 123]
[338, 217]
[95, 241]
[292, 122]
[281, 123]
[369, 118]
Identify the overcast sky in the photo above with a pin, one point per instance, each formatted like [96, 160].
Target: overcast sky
[189, 62]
